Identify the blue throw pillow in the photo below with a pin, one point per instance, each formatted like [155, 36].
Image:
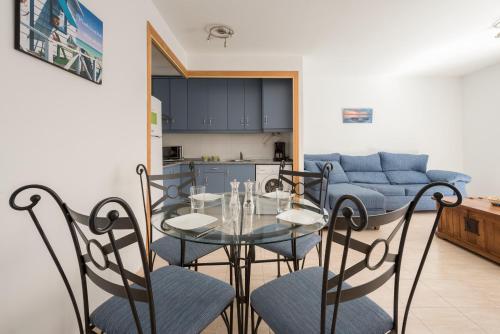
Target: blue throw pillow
[398, 161]
[407, 177]
[358, 163]
[337, 175]
[311, 166]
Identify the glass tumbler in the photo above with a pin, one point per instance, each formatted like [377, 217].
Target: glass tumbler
[283, 200]
[197, 197]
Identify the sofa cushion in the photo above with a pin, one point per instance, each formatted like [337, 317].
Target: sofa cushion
[372, 199]
[413, 189]
[407, 177]
[385, 189]
[312, 166]
[399, 161]
[367, 177]
[323, 157]
[337, 175]
[447, 176]
[367, 163]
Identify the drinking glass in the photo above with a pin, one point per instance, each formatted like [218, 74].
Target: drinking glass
[197, 197]
[283, 200]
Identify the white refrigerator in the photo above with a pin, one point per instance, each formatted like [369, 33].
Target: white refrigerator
[156, 144]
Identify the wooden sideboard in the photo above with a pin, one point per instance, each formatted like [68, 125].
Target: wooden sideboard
[474, 225]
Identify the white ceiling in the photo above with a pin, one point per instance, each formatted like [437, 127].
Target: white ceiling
[160, 65]
[445, 37]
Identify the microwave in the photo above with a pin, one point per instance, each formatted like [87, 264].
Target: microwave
[172, 152]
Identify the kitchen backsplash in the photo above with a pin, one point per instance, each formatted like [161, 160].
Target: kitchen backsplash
[228, 146]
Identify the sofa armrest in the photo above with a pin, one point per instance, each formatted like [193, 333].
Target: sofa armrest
[447, 176]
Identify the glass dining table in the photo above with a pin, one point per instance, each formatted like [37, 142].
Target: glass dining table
[240, 236]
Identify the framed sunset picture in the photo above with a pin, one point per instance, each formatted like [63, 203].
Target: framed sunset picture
[63, 33]
[357, 115]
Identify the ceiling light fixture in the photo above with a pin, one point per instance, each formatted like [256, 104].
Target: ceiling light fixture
[220, 31]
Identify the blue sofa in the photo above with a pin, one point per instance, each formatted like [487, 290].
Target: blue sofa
[383, 181]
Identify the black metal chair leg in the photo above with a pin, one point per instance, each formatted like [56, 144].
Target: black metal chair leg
[252, 317]
[279, 266]
[196, 265]
[303, 262]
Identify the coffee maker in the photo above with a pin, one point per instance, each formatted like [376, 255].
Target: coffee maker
[279, 151]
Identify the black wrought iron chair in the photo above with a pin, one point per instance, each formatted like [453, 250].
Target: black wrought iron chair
[174, 251]
[315, 300]
[169, 300]
[302, 184]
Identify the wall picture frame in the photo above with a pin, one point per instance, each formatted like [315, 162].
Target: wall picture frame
[63, 33]
[357, 115]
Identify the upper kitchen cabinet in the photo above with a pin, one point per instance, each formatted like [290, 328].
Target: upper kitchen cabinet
[207, 104]
[178, 104]
[161, 90]
[244, 104]
[217, 105]
[197, 104]
[277, 105]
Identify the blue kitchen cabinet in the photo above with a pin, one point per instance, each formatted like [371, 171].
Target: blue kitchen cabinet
[214, 178]
[236, 104]
[197, 104]
[161, 90]
[244, 104]
[241, 173]
[178, 104]
[217, 105]
[172, 184]
[277, 105]
[253, 104]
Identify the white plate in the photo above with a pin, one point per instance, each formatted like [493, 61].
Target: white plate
[307, 202]
[277, 194]
[191, 221]
[301, 217]
[205, 197]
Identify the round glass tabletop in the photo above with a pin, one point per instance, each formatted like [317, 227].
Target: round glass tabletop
[265, 225]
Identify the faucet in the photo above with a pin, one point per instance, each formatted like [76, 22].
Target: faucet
[241, 156]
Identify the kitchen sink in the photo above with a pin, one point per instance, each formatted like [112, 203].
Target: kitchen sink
[240, 160]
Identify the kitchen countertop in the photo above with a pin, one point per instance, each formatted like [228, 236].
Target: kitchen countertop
[224, 162]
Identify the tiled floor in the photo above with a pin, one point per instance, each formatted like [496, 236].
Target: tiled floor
[459, 292]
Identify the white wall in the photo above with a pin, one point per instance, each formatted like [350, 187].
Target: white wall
[413, 115]
[228, 146]
[481, 101]
[82, 139]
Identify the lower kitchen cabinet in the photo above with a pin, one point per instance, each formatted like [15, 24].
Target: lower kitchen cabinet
[216, 177]
[241, 173]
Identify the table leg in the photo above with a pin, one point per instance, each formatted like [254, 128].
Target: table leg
[242, 284]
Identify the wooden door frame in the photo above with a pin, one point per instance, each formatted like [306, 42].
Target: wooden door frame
[153, 37]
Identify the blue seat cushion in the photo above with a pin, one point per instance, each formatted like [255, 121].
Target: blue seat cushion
[169, 249]
[185, 302]
[303, 246]
[292, 304]
[371, 199]
[355, 163]
[413, 189]
[385, 189]
[407, 177]
[323, 157]
[398, 161]
[367, 177]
